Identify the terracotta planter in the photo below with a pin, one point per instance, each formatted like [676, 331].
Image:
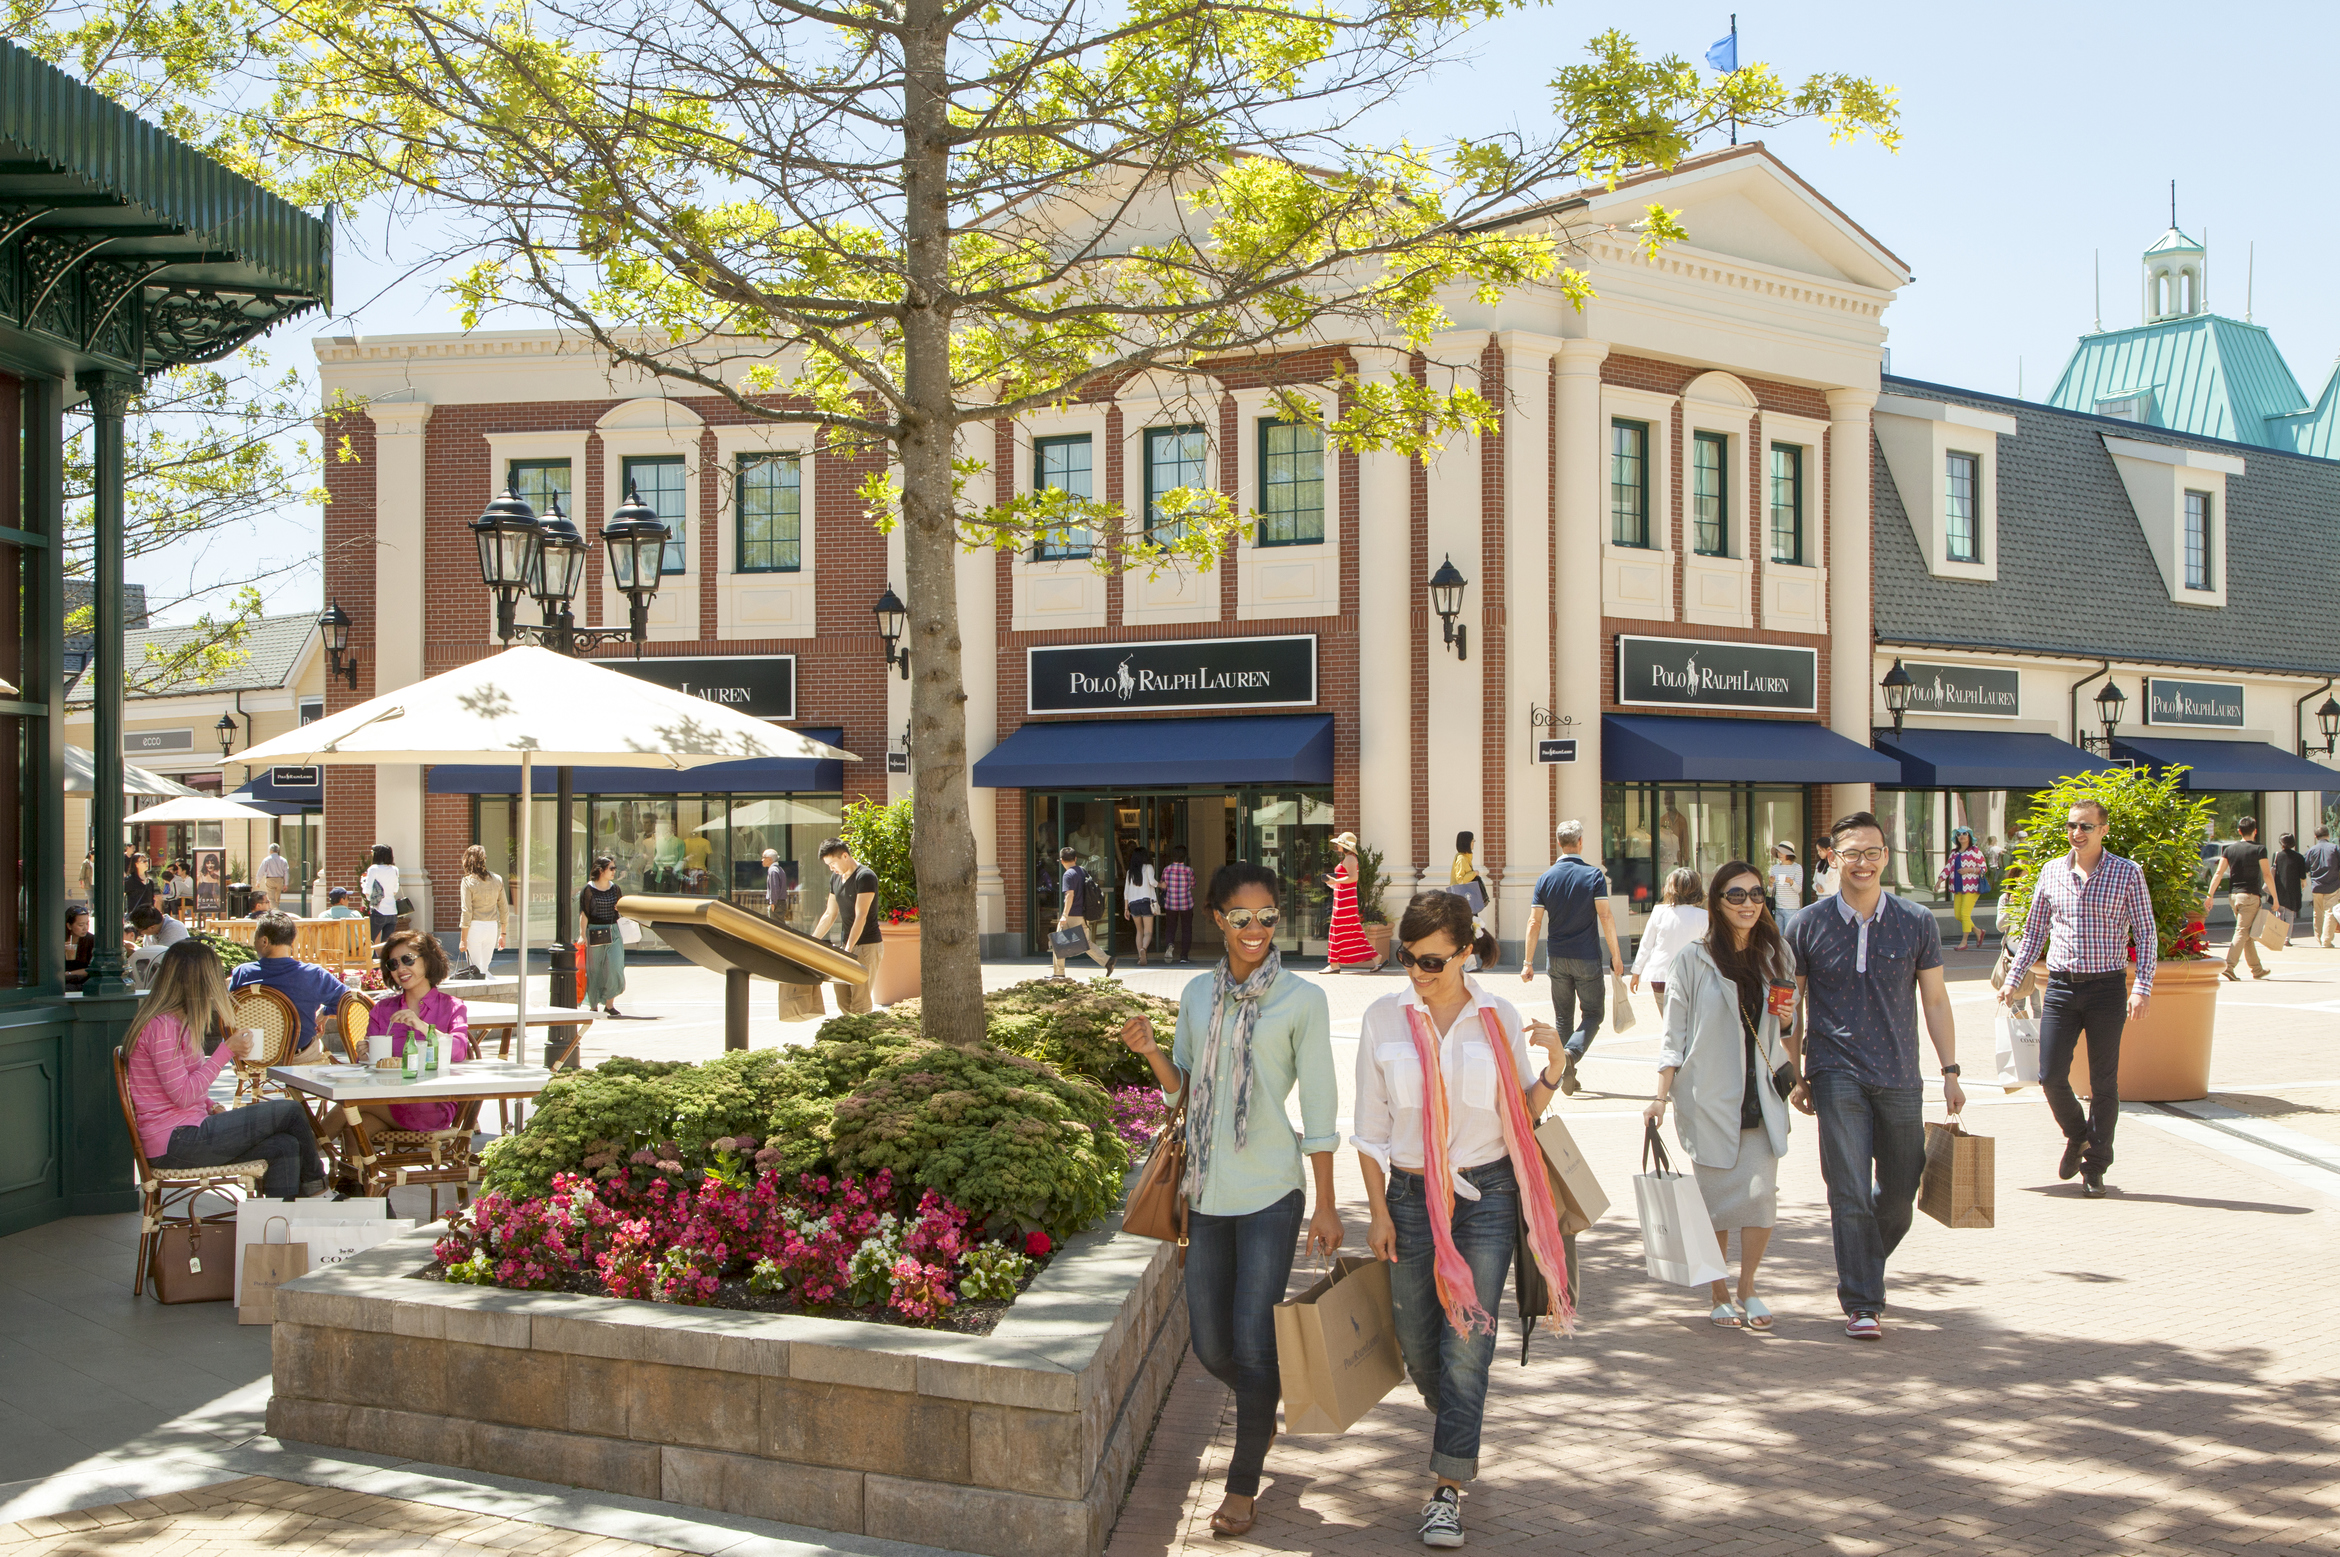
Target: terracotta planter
[2165, 1058]
[1377, 937]
[897, 975]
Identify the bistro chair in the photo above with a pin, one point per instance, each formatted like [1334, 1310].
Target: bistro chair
[350, 1018]
[162, 1191]
[279, 1025]
[383, 1160]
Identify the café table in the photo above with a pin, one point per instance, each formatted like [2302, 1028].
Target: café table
[502, 1018]
[409, 1157]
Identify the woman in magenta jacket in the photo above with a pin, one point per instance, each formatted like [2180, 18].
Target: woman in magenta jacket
[414, 966]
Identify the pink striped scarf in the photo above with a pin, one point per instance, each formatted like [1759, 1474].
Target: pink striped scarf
[1458, 1289]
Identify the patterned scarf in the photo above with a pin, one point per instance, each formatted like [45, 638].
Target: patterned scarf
[1202, 1104]
[1458, 1289]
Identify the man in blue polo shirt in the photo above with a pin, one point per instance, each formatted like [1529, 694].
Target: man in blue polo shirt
[1576, 897]
[306, 985]
[1865, 961]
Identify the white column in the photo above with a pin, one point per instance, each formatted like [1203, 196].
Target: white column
[978, 582]
[1576, 581]
[1850, 706]
[400, 548]
[1527, 538]
[1385, 764]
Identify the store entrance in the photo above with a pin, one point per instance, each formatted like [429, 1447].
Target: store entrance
[1288, 831]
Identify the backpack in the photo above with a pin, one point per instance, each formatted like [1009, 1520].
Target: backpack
[1092, 897]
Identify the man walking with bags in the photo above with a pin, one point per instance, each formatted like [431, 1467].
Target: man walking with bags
[1083, 906]
[1575, 896]
[2243, 866]
[2089, 909]
[1865, 961]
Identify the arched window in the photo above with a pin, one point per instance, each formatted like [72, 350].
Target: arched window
[2191, 305]
[2161, 294]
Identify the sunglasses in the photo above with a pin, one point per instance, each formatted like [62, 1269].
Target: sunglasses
[2079, 827]
[1428, 964]
[1742, 895]
[1245, 918]
[407, 961]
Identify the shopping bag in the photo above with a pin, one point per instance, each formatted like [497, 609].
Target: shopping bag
[630, 932]
[1070, 941]
[2018, 1049]
[1576, 1194]
[1956, 1189]
[1336, 1347]
[332, 1242]
[1677, 1234]
[2274, 929]
[252, 1217]
[1620, 1005]
[268, 1266]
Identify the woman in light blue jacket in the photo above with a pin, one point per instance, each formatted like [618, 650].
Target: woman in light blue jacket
[1716, 1064]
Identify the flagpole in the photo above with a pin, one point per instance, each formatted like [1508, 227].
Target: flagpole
[1734, 66]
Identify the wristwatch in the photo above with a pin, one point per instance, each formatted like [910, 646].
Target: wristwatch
[1949, 1070]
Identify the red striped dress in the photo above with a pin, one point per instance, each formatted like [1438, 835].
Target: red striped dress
[1348, 943]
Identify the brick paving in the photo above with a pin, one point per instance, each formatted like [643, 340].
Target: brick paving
[2153, 1373]
[261, 1513]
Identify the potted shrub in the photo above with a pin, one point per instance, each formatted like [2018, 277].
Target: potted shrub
[879, 836]
[2165, 1057]
[1371, 911]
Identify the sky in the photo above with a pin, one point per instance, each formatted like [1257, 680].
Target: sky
[2035, 137]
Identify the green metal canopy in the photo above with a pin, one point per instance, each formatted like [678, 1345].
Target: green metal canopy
[122, 247]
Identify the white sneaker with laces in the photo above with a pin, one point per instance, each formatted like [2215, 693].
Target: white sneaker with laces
[1442, 1518]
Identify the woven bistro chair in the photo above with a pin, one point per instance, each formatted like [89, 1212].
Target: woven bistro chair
[349, 1019]
[164, 1190]
[387, 1159]
[279, 1025]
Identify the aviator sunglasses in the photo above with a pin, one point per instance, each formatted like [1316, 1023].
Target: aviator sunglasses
[407, 960]
[1244, 918]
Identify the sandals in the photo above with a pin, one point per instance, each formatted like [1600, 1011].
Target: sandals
[1231, 1525]
[1758, 1316]
[1727, 1316]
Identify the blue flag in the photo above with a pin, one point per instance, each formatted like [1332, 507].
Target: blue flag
[1725, 53]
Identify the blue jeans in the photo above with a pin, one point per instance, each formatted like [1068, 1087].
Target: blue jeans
[1449, 1368]
[1872, 1154]
[2098, 1007]
[381, 925]
[1577, 982]
[276, 1131]
[1236, 1270]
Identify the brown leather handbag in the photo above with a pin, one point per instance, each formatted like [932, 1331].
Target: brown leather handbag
[1157, 1206]
[195, 1262]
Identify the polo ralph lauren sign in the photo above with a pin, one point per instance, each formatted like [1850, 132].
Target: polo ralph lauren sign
[1985, 692]
[1704, 673]
[1089, 678]
[2218, 704]
[762, 686]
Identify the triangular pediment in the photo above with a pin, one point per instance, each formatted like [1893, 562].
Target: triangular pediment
[1745, 204]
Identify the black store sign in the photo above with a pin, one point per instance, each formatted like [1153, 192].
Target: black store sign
[1701, 673]
[296, 778]
[2215, 703]
[1972, 690]
[1190, 673]
[762, 686]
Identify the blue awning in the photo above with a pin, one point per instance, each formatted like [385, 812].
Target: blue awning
[1654, 749]
[272, 807]
[2228, 764]
[1984, 759]
[754, 776]
[262, 788]
[1153, 753]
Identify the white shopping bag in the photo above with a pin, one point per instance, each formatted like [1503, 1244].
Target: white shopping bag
[2018, 1050]
[252, 1219]
[1677, 1234]
[332, 1242]
[1620, 1005]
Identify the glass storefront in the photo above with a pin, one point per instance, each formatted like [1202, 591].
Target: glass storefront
[1919, 824]
[1287, 830]
[1650, 830]
[688, 845]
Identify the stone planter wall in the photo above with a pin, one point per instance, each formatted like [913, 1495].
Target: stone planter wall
[1016, 1444]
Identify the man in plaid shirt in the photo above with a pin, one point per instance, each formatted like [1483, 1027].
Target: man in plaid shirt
[2088, 909]
[1178, 905]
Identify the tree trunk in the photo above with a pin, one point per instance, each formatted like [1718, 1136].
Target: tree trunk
[942, 842]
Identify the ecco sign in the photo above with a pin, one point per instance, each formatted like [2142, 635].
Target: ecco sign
[1705, 673]
[762, 686]
[1187, 673]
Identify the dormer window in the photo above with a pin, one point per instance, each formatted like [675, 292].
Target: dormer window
[2123, 408]
[2198, 540]
[1962, 508]
[2178, 494]
[1944, 461]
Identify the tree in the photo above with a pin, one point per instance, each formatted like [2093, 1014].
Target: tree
[904, 220]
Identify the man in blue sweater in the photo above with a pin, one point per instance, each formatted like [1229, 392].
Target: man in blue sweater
[305, 984]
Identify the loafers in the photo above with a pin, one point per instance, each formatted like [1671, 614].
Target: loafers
[2092, 1184]
[2071, 1163]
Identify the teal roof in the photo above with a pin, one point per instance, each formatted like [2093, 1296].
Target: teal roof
[2205, 374]
[2314, 431]
[2173, 239]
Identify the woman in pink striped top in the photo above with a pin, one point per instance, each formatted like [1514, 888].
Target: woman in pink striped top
[170, 1078]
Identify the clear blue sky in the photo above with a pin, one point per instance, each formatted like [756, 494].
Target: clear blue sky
[2034, 135]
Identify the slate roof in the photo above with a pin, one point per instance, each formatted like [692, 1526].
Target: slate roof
[2075, 574]
[272, 650]
[2206, 373]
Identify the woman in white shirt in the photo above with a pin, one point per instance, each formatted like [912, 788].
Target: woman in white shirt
[1447, 1204]
[1787, 884]
[1673, 924]
[379, 888]
[1141, 900]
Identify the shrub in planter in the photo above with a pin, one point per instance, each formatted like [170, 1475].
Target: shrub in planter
[1004, 1136]
[879, 836]
[1075, 1026]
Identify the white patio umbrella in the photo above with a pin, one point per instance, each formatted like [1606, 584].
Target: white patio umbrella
[776, 812]
[543, 708]
[81, 769]
[199, 808]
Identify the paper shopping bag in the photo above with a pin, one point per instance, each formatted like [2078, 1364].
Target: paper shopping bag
[268, 1266]
[1576, 1194]
[1620, 1005]
[252, 1218]
[2274, 929]
[1956, 1189]
[1677, 1234]
[1336, 1348]
[2018, 1050]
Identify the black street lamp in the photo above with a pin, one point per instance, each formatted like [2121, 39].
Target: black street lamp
[2111, 703]
[522, 554]
[892, 616]
[2327, 721]
[334, 624]
[1446, 592]
[635, 539]
[509, 538]
[226, 731]
[1897, 683]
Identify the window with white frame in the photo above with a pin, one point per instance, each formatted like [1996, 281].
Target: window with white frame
[1710, 492]
[1787, 503]
[1629, 483]
[769, 537]
[1962, 507]
[1062, 465]
[2198, 540]
[659, 480]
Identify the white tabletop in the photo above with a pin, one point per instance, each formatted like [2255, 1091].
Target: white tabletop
[362, 1084]
[492, 1013]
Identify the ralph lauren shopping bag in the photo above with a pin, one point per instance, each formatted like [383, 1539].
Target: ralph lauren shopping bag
[1956, 1190]
[1336, 1347]
[266, 1267]
[1576, 1194]
[1677, 1234]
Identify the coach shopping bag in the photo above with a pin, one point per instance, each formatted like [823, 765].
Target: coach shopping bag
[268, 1266]
[1576, 1194]
[253, 1217]
[2018, 1049]
[1956, 1189]
[1677, 1234]
[1620, 1005]
[2274, 929]
[1336, 1347]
